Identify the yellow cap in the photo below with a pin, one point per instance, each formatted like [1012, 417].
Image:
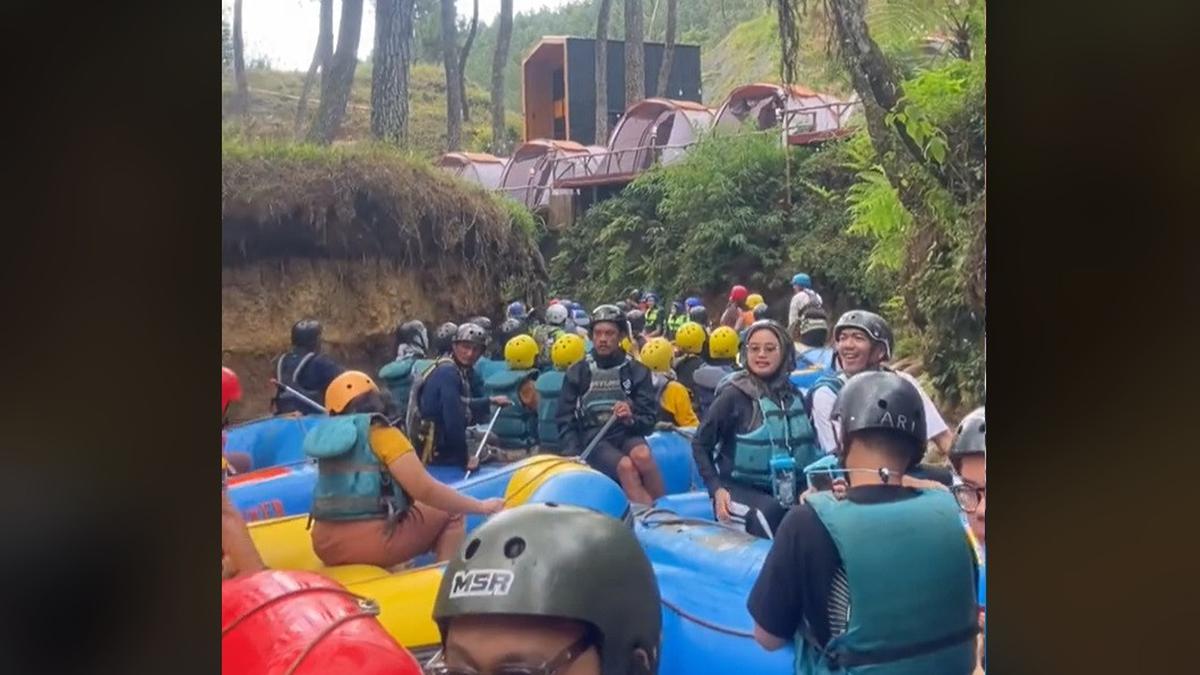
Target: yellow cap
[690, 337]
[345, 388]
[656, 355]
[520, 352]
[753, 300]
[723, 343]
[567, 350]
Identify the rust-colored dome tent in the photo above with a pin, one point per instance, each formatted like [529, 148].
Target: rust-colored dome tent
[476, 167]
[811, 116]
[527, 176]
[654, 127]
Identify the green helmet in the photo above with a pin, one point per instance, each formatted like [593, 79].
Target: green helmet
[563, 562]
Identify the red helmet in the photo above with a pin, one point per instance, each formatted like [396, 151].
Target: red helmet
[231, 388]
[738, 293]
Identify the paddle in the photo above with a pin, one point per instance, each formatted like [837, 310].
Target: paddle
[483, 441]
[315, 406]
[596, 439]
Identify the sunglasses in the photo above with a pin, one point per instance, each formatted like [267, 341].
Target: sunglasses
[968, 496]
[559, 663]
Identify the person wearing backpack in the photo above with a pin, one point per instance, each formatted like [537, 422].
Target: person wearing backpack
[567, 351]
[721, 361]
[305, 369]
[412, 344]
[804, 297]
[755, 440]
[374, 503]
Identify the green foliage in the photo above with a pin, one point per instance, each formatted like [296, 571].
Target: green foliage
[719, 215]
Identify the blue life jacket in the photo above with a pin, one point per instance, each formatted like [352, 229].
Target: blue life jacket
[516, 425]
[397, 376]
[783, 433]
[549, 388]
[911, 584]
[351, 482]
[831, 381]
[706, 378]
[817, 357]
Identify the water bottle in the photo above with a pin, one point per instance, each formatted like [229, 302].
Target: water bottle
[783, 479]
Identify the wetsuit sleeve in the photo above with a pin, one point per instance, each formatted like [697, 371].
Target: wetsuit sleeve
[453, 430]
[678, 402]
[822, 408]
[718, 424]
[645, 402]
[480, 405]
[776, 601]
[564, 417]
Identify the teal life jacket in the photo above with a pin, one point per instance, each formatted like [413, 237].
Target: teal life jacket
[549, 388]
[397, 376]
[516, 425]
[911, 585]
[351, 482]
[831, 380]
[485, 368]
[604, 391]
[783, 433]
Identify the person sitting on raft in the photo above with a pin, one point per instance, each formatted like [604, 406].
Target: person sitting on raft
[883, 576]
[721, 360]
[374, 503]
[674, 399]
[759, 431]
[588, 608]
[689, 340]
[969, 458]
[609, 384]
[567, 351]
[516, 425]
[450, 399]
[305, 369]
[863, 342]
[239, 557]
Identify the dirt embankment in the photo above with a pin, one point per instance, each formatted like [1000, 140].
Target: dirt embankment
[360, 241]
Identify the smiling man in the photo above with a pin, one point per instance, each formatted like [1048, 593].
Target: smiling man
[862, 342]
[549, 590]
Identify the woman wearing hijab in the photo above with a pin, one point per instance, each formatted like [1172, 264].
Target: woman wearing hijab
[757, 436]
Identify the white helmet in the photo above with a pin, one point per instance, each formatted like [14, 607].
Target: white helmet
[556, 314]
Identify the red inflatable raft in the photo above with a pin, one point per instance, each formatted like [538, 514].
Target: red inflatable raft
[300, 623]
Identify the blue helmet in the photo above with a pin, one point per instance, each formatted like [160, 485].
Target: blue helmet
[678, 307]
[516, 310]
[693, 302]
[802, 280]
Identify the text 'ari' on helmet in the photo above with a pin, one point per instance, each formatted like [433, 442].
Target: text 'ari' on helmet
[884, 400]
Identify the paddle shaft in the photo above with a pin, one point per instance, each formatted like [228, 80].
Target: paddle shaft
[483, 441]
[596, 439]
[315, 406]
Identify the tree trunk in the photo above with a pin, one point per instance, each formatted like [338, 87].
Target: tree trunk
[453, 86]
[337, 83]
[635, 53]
[462, 63]
[664, 71]
[241, 97]
[602, 72]
[499, 64]
[389, 73]
[322, 56]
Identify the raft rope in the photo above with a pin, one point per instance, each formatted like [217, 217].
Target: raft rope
[706, 624]
[366, 603]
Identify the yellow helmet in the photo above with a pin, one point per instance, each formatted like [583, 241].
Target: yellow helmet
[626, 345]
[345, 388]
[656, 355]
[753, 300]
[723, 343]
[567, 350]
[520, 352]
[690, 337]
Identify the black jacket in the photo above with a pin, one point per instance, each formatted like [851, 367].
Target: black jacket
[572, 431]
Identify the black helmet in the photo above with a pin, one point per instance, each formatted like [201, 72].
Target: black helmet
[880, 399]
[413, 333]
[509, 328]
[481, 321]
[561, 562]
[622, 306]
[636, 319]
[870, 323]
[608, 313]
[970, 438]
[306, 334]
[472, 333]
[698, 314]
